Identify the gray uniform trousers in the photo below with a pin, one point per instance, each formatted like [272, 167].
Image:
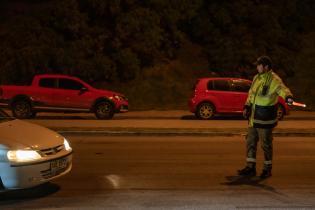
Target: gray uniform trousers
[265, 136]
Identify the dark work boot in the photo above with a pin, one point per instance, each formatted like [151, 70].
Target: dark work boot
[265, 173]
[247, 171]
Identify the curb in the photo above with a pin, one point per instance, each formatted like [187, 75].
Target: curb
[147, 133]
[177, 132]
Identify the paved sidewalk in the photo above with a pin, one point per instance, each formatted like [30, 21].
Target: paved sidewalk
[174, 122]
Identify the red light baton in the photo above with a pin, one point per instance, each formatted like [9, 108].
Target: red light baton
[298, 104]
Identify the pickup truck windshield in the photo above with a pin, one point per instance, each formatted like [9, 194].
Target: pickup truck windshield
[4, 116]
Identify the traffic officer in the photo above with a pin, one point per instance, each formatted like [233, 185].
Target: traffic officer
[261, 111]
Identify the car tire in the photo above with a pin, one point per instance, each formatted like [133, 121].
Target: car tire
[280, 112]
[205, 111]
[104, 110]
[22, 109]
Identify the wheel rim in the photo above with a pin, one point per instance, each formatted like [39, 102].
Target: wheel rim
[206, 111]
[22, 109]
[103, 109]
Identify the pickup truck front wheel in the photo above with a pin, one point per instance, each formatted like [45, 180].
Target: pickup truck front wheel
[104, 110]
[22, 109]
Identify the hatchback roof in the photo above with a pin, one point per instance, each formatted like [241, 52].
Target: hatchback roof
[222, 78]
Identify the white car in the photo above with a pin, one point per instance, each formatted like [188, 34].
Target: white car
[30, 154]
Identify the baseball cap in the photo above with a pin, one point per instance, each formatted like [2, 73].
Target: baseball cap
[264, 60]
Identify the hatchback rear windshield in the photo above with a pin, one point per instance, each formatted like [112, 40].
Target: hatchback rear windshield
[196, 83]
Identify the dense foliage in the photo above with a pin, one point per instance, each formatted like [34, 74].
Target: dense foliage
[119, 41]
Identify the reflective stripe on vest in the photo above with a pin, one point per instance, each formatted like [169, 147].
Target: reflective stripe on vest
[252, 160]
[265, 122]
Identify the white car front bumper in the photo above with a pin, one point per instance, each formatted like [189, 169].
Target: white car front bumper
[16, 176]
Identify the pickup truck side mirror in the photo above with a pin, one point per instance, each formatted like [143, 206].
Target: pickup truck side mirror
[83, 90]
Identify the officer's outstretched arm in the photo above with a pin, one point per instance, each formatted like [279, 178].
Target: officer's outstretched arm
[282, 90]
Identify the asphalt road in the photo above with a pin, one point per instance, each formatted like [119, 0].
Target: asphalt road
[174, 172]
[171, 122]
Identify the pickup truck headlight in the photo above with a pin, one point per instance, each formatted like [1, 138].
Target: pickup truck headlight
[66, 145]
[23, 155]
[118, 98]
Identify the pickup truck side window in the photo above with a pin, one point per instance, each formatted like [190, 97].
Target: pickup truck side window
[47, 82]
[70, 84]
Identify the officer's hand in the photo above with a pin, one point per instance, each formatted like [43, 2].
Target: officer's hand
[289, 100]
[246, 111]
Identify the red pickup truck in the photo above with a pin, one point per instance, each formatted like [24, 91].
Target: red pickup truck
[60, 93]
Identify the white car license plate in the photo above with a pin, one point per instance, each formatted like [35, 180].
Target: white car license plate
[59, 164]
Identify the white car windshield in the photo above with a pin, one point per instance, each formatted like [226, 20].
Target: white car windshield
[4, 116]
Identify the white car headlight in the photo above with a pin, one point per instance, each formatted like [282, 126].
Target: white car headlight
[23, 155]
[66, 145]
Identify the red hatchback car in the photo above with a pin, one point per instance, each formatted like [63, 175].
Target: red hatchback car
[223, 96]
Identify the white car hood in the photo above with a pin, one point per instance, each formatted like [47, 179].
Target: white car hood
[17, 134]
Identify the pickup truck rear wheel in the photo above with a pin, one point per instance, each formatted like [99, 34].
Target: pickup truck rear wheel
[104, 110]
[22, 109]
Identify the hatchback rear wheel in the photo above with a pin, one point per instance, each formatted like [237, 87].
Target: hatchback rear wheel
[205, 111]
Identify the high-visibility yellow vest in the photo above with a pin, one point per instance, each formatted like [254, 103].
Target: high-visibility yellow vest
[263, 99]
